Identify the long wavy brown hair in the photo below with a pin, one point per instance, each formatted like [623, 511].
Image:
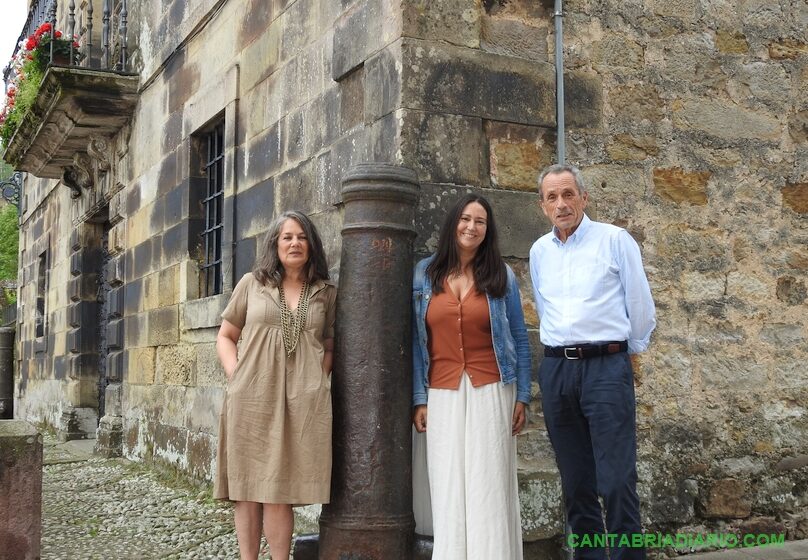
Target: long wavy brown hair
[268, 268]
[490, 275]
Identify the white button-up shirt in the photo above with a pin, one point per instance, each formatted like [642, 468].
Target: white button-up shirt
[592, 288]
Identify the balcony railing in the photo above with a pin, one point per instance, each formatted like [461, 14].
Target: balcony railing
[107, 50]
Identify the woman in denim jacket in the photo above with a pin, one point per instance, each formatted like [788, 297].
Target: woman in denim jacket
[471, 361]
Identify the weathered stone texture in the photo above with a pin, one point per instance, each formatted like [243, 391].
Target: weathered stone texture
[680, 186]
[516, 153]
[795, 196]
[726, 121]
[441, 78]
[726, 498]
[455, 21]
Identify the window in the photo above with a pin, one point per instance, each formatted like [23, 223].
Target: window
[211, 243]
[41, 292]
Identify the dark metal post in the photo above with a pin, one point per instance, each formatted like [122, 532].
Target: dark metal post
[89, 37]
[71, 27]
[370, 514]
[6, 373]
[105, 12]
[122, 35]
[53, 28]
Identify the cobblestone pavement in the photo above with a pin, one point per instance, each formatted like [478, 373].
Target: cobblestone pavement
[94, 508]
[114, 509]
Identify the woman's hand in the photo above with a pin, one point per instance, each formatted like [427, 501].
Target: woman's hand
[226, 342]
[419, 418]
[328, 356]
[519, 418]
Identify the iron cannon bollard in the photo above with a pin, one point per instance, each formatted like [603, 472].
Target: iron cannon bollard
[6, 373]
[370, 514]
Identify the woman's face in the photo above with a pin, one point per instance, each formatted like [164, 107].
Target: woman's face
[471, 227]
[293, 246]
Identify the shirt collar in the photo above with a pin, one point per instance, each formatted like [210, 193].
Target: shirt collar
[580, 231]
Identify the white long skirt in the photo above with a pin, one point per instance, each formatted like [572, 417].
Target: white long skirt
[471, 483]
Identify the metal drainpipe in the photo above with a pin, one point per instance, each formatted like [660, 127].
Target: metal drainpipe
[558, 14]
[559, 65]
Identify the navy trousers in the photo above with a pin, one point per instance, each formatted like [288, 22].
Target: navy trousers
[589, 409]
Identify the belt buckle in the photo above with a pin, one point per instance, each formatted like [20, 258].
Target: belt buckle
[576, 356]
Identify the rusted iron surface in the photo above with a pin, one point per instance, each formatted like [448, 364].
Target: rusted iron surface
[370, 514]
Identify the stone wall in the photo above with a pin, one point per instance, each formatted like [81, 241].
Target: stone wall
[689, 117]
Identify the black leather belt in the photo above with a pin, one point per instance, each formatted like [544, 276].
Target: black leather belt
[583, 351]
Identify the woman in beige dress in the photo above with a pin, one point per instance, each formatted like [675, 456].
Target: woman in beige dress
[275, 426]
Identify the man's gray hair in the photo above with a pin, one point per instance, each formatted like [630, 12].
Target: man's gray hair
[558, 168]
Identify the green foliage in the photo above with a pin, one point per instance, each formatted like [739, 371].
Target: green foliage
[9, 244]
[27, 90]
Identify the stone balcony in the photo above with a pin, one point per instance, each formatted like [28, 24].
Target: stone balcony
[76, 112]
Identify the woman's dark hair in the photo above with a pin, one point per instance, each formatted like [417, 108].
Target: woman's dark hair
[490, 275]
[268, 268]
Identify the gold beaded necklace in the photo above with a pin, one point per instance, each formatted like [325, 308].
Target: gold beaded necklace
[292, 321]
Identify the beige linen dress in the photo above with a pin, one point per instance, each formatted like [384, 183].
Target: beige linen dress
[275, 425]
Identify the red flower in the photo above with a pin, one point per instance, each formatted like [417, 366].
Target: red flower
[58, 34]
[75, 44]
[31, 43]
[11, 92]
[44, 28]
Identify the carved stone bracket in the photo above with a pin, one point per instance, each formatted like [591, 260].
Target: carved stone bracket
[79, 175]
[98, 149]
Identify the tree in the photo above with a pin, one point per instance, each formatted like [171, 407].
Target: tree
[9, 245]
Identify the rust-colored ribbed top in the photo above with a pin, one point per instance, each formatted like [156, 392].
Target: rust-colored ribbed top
[460, 339]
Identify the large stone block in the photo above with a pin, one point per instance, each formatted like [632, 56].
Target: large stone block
[731, 42]
[357, 34]
[141, 364]
[442, 148]
[352, 98]
[634, 103]
[444, 79]
[677, 185]
[208, 369]
[727, 498]
[517, 153]
[254, 208]
[631, 147]
[176, 364]
[20, 490]
[514, 36]
[381, 79]
[583, 100]
[260, 58]
[618, 51]
[725, 120]
[795, 197]
[163, 325]
[204, 313]
[169, 286]
[787, 49]
[454, 21]
[540, 499]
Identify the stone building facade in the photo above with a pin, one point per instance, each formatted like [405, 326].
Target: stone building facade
[689, 118]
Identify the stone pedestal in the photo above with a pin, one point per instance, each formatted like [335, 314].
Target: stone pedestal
[20, 490]
[370, 514]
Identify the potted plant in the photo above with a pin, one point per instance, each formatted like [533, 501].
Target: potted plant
[29, 65]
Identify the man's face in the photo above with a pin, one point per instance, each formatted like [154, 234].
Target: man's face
[562, 202]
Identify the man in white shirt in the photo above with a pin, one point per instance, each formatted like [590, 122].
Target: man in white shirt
[595, 308]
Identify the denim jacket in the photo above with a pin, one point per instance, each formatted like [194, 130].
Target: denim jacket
[508, 333]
